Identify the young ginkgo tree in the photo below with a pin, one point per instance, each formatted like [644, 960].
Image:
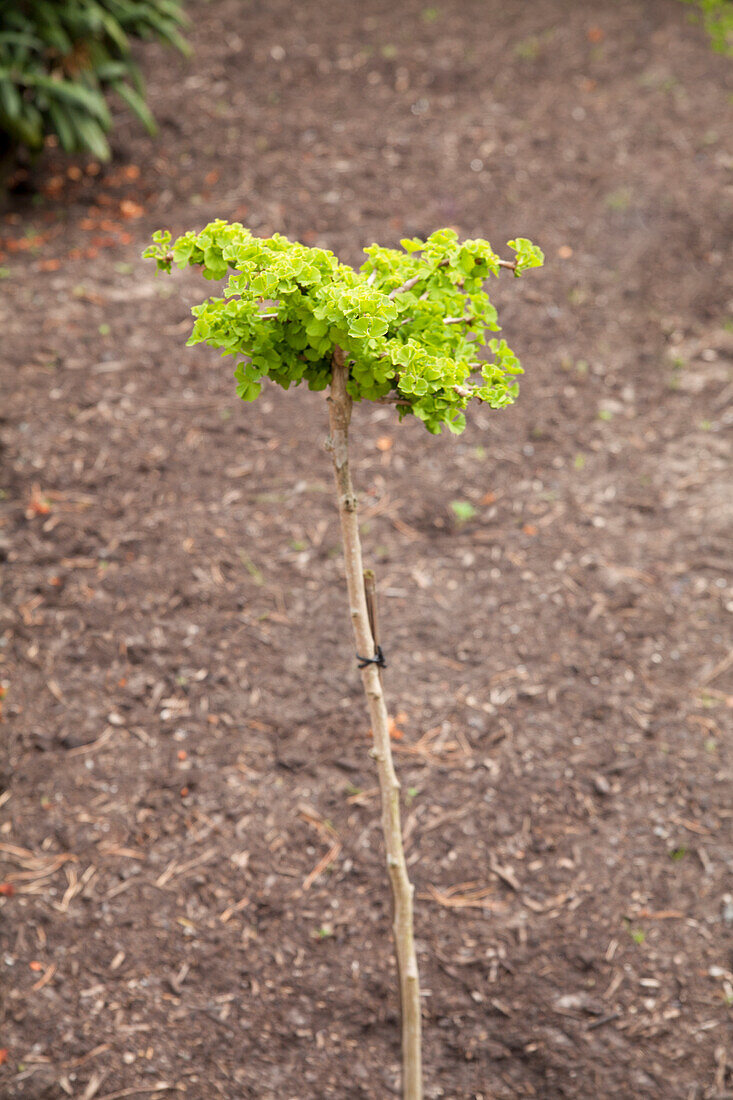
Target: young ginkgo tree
[404, 329]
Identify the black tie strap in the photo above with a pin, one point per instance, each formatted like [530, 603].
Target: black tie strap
[377, 659]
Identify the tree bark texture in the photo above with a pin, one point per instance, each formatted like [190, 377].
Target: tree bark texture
[402, 889]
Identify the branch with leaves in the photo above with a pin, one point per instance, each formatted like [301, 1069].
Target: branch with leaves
[406, 329]
[285, 308]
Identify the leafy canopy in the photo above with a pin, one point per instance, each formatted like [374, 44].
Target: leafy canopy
[410, 321]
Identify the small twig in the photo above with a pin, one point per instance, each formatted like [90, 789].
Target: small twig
[94, 1053]
[326, 830]
[39, 870]
[716, 671]
[332, 854]
[603, 1020]
[395, 399]
[362, 797]
[474, 898]
[236, 908]
[415, 279]
[160, 1087]
[173, 869]
[93, 1085]
[431, 753]
[691, 826]
[506, 875]
[510, 265]
[319, 823]
[82, 750]
[212, 1016]
[45, 978]
[409, 284]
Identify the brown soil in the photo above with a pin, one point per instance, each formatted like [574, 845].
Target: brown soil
[183, 732]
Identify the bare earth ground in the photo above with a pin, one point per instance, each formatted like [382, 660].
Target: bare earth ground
[183, 736]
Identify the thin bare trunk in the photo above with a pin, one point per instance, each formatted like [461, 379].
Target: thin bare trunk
[402, 890]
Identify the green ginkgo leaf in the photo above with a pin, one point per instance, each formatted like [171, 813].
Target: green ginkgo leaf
[408, 321]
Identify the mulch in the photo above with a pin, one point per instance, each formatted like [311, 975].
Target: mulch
[183, 739]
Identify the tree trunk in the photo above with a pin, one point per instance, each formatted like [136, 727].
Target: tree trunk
[402, 890]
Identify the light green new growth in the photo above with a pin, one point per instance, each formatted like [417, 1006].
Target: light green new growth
[717, 18]
[410, 322]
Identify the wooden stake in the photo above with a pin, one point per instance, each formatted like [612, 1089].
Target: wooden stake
[370, 593]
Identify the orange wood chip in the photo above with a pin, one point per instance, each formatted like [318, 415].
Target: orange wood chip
[130, 209]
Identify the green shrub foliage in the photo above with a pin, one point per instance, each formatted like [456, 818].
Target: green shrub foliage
[410, 322]
[58, 58]
[717, 18]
